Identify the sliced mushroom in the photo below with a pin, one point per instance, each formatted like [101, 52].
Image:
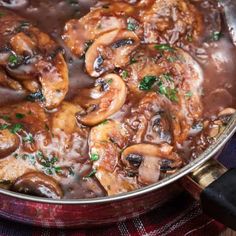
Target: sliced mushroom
[109, 51]
[38, 184]
[106, 141]
[30, 55]
[216, 127]
[9, 142]
[105, 99]
[226, 114]
[148, 159]
[80, 33]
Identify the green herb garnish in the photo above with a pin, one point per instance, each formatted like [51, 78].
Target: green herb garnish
[2, 14]
[20, 116]
[164, 47]
[216, 35]
[4, 126]
[28, 138]
[189, 94]
[13, 60]
[170, 93]
[147, 82]
[131, 26]
[104, 122]
[16, 128]
[172, 59]
[57, 169]
[124, 74]
[5, 117]
[94, 157]
[91, 174]
[109, 81]
[132, 61]
[166, 77]
[48, 163]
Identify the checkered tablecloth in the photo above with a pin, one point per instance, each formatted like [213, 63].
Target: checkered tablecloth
[181, 216]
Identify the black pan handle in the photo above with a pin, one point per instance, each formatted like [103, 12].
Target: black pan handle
[219, 199]
[215, 187]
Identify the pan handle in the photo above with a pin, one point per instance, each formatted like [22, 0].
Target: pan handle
[215, 187]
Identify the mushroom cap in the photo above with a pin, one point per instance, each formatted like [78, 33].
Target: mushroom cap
[39, 184]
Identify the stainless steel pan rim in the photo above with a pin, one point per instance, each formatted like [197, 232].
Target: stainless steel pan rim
[206, 155]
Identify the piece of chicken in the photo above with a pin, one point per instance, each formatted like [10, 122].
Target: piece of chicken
[174, 22]
[173, 74]
[30, 59]
[33, 141]
[171, 21]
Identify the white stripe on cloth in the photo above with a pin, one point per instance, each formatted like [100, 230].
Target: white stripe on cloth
[123, 229]
[201, 227]
[139, 226]
[193, 211]
[187, 218]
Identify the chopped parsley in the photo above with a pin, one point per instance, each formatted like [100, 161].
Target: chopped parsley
[91, 174]
[104, 122]
[28, 138]
[189, 94]
[5, 117]
[94, 157]
[57, 169]
[166, 77]
[48, 163]
[131, 26]
[4, 126]
[2, 14]
[216, 35]
[16, 128]
[13, 60]
[124, 74]
[109, 81]
[132, 61]
[147, 82]
[164, 47]
[170, 93]
[20, 116]
[172, 59]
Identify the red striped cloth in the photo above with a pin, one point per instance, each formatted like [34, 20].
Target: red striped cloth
[180, 217]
